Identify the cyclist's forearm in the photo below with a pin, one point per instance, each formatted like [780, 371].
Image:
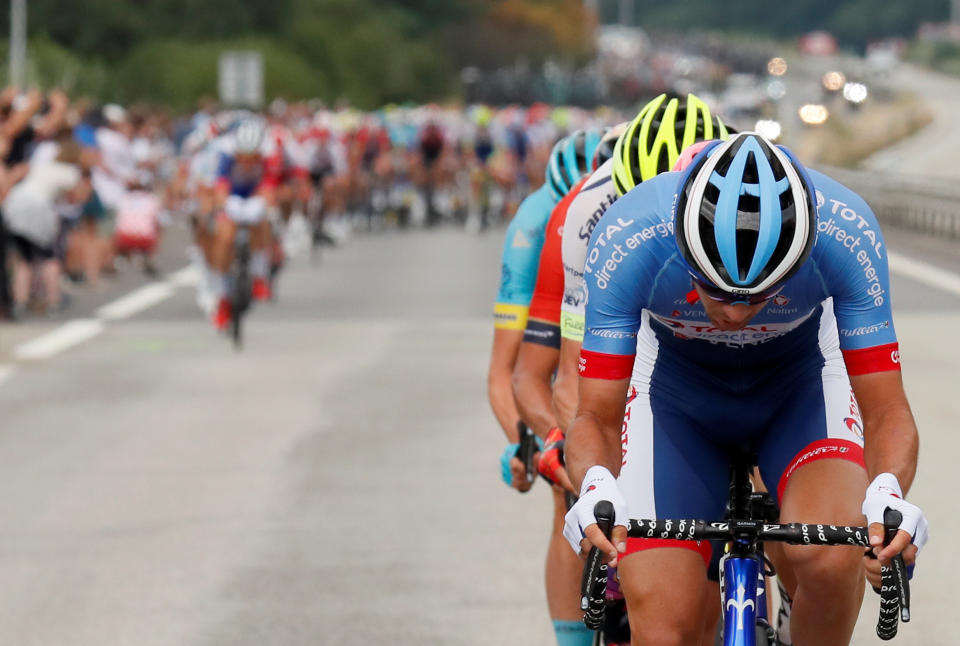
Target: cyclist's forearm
[503, 357]
[534, 400]
[890, 439]
[589, 442]
[565, 398]
[566, 383]
[500, 393]
[891, 444]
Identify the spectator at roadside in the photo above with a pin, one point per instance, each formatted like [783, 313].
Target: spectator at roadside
[32, 218]
[138, 222]
[8, 177]
[25, 119]
[117, 165]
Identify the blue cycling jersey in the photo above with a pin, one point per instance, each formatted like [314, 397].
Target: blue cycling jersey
[639, 288]
[521, 255]
[241, 181]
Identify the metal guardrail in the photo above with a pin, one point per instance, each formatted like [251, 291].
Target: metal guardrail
[923, 205]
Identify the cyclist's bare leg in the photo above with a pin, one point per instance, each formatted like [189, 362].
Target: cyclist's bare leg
[666, 596]
[221, 251]
[260, 239]
[22, 277]
[50, 271]
[202, 234]
[774, 552]
[563, 568]
[829, 587]
[711, 613]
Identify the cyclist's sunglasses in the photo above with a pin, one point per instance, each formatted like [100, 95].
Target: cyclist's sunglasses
[717, 294]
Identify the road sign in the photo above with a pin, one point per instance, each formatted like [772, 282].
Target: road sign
[240, 79]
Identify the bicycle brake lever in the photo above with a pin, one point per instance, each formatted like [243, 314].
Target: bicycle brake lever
[528, 446]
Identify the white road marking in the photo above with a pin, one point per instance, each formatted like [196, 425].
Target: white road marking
[189, 276]
[56, 341]
[136, 301]
[924, 272]
[77, 331]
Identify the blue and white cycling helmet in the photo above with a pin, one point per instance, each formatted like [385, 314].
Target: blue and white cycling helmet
[570, 160]
[745, 216]
[248, 136]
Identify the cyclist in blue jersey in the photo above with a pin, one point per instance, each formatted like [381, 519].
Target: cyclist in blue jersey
[741, 303]
[245, 192]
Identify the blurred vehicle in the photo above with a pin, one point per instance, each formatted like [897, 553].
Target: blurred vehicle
[817, 43]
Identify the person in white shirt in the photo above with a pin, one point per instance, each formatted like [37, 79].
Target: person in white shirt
[32, 217]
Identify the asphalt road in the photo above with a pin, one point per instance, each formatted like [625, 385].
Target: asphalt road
[338, 480]
[931, 153]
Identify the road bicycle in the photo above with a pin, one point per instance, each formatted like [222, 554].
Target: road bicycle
[240, 284]
[743, 567]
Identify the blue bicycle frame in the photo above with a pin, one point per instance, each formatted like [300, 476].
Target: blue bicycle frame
[741, 590]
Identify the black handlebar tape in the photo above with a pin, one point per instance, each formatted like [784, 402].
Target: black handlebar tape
[893, 598]
[528, 446]
[891, 524]
[793, 533]
[593, 585]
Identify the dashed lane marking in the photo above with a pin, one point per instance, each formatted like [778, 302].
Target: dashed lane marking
[77, 331]
[189, 276]
[136, 301]
[56, 341]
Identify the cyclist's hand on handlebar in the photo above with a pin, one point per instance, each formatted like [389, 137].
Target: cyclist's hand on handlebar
[885, 492]
[512, 470]
[872, 565]
[519, 471]
[550, 461]
[580, 526]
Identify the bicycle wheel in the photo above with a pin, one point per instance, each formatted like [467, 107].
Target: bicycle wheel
[241, 287]
[235, 330]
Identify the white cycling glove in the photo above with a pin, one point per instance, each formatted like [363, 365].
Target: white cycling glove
[599, 484]
[885, 492]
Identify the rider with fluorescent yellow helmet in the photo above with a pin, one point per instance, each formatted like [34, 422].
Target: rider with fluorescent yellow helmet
[658, 134]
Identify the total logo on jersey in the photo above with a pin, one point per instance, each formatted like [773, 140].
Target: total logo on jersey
[705, 331]
[617, 255]
[851, 242]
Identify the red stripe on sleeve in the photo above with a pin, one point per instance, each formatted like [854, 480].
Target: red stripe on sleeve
[877, 359]
[597, 365]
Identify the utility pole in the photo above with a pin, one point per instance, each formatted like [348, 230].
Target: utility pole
[626, 13]
[18, 42]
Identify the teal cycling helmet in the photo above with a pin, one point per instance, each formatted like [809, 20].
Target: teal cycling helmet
[745, 216]
[570, 160]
